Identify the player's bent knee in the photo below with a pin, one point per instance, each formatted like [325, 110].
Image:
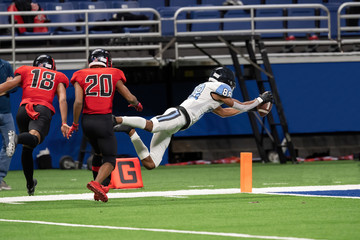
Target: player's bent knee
[148, 163]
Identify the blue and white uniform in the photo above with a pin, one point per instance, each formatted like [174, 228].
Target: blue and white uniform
[196, 105]
[175, 119]
[200, 101]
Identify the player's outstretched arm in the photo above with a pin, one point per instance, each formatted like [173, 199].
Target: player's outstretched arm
[236, 104]
[240, 106]
[226, 112]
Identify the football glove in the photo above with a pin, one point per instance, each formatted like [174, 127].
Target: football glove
[138, 107]
[74, 127]
[267, 97]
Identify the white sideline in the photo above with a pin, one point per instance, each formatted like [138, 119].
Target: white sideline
[238, 235]
[90, 196]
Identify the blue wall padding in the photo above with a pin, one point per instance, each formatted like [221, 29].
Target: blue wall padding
[319, 97]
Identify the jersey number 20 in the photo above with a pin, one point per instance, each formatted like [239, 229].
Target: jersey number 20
[101, 86]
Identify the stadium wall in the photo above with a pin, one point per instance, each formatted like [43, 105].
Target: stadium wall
[317, 98]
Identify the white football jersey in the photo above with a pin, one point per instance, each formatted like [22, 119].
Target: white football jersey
[200, 101]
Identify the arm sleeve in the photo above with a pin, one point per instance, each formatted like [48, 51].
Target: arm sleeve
[247, 107]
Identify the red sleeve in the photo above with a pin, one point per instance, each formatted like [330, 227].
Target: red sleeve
[22, 71]
[63, 79]
[74, 77]
[122, 76]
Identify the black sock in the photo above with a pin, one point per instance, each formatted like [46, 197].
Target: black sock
[28, 139]
[107, 180]
[96, 164]
[28, 165]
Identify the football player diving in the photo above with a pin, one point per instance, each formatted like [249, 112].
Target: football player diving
[206, 97]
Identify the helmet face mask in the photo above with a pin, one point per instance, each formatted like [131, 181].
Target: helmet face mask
[45, 61]
[223, 74]
[100, 57]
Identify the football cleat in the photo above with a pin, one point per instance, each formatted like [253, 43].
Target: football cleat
[31, 189]
[122, 128]
[11, 147]
[96, 187]
[97, 197]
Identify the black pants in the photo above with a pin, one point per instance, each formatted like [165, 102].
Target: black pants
[42, 124]
[98, 129]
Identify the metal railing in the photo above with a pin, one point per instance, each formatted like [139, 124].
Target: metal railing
[322, 28]
[347, 34]
[86, 35]
[19, 52]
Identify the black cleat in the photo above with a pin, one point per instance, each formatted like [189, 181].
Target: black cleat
[31, 190]
[122, 128]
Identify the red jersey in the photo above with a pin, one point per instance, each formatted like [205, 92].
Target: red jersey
[99, 85]
[40, 84]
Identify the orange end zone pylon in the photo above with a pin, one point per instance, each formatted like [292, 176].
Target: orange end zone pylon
[127, 174]
[246, 172]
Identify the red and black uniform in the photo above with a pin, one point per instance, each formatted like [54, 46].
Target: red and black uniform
[36, 107]
[99, 85]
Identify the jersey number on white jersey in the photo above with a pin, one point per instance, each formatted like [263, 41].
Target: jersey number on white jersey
[197, 91]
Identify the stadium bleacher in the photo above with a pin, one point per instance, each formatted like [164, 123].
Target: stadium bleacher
[238, 14]
[183, 3]
[167, 20]
[62, 18]
[268, 23]
[279, 1]
[273, 24]
[210, 15]
[212, 2]
[310, 1]
[96, 16]
[152, 4]
[301, 24]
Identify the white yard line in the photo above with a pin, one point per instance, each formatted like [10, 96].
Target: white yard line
[238, 235]
[192, 192]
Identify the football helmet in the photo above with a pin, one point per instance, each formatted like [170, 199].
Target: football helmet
[45, 61]
[223, 74]
[100, 57]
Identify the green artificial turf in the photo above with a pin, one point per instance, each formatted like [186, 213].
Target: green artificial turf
[253, 214]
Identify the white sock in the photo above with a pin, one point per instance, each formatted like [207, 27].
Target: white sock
[140, 148]
[135, 122]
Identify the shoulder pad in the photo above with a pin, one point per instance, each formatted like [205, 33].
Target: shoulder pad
[224, 90]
